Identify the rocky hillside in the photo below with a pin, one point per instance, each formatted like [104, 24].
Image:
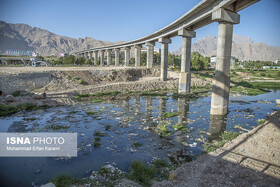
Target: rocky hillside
[243, 48]
[25, 37]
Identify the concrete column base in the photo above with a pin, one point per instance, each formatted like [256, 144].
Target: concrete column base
[220, 95]
[184, 82]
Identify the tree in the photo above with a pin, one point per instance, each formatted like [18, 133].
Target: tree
[69, 59]
[143, 58]
[199, 62]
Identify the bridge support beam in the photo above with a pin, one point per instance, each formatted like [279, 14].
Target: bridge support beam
[101, 58]
[164, 57]
[221, 81]
[117, 57]
[137, 55]
[126, 56]
[185, 74]
[109, 57]
[150, 54]
[95, 57]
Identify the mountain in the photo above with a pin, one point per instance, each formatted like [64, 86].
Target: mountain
[243, 48]
[24, 37]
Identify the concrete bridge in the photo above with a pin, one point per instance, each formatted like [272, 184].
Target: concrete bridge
[207, 11]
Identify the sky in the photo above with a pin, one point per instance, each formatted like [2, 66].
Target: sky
[125, 20]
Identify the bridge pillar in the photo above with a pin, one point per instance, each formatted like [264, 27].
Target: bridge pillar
[90, 55]
[164, 57]
[95, 57]
[126, 56]
[117, 57]
[221, 81]
[137, 55]
[185, 74]
[101, 58]
[109, 57]
[150, 54]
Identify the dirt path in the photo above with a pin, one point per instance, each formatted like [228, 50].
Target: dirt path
[252, 159]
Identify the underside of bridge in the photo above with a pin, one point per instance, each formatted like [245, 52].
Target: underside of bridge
[207, 11]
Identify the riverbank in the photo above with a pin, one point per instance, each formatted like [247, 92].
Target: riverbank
[252, 159]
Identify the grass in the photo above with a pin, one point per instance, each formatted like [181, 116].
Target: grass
[97, 100]
[107, 127]
[252, 88]
[142, 173]
[160, 163]
[261, 121]
[98, 94]
[180, 127]
[97, 139]
[163, 129]
[225, 137]
[96, 144]
[100, 134]
[16, 93]
[170, 114]
[65, 181]
[92, 113]
[58, 127]
[8, 110]
[136, 144]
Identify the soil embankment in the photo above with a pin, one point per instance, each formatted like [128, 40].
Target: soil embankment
[252, 159]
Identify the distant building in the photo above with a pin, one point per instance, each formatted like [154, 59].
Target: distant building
[63, 54]
[214, 59]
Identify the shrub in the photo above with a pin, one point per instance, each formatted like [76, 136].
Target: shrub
[142, 173]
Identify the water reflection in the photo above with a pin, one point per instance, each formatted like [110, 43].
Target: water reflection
[162, 106]
[217, 126]
[148, 109]
[183, 109]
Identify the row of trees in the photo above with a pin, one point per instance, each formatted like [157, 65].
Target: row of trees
[198, 62]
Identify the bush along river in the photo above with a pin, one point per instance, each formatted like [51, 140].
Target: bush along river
[138, 128]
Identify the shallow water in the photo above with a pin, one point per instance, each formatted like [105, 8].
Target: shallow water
[131, 121]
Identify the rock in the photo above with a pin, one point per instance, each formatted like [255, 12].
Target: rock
[277, 101]
[9, 99]
[50, 184]
[40, 96]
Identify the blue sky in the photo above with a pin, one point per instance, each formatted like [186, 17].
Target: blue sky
[124, 20]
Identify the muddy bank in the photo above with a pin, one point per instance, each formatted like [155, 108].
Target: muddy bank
[244, 161]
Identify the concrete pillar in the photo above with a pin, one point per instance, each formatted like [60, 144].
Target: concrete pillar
[90, 55]
[150, 54]
[126, 56]
[95, 57]
[185, 74]
[101, 58]
[117, 57]
[109, 57]
[137, 55]
[217, 126]
[164, 57]
[221, 81]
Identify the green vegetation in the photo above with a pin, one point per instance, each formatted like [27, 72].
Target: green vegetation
[107, 127]
[160, 163]
[97, 139]
[170, 114]
[7, 110]
[97, 100]
[16, 93]
[142, 173]
[261, 121]
[62, 180]
[199, 62]
[225, 137]
[163, 130]
[96, 144]
[92, 113]
[180, 127]
[57, 127]
[136, 144]
[78, 80]
[98, 133]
